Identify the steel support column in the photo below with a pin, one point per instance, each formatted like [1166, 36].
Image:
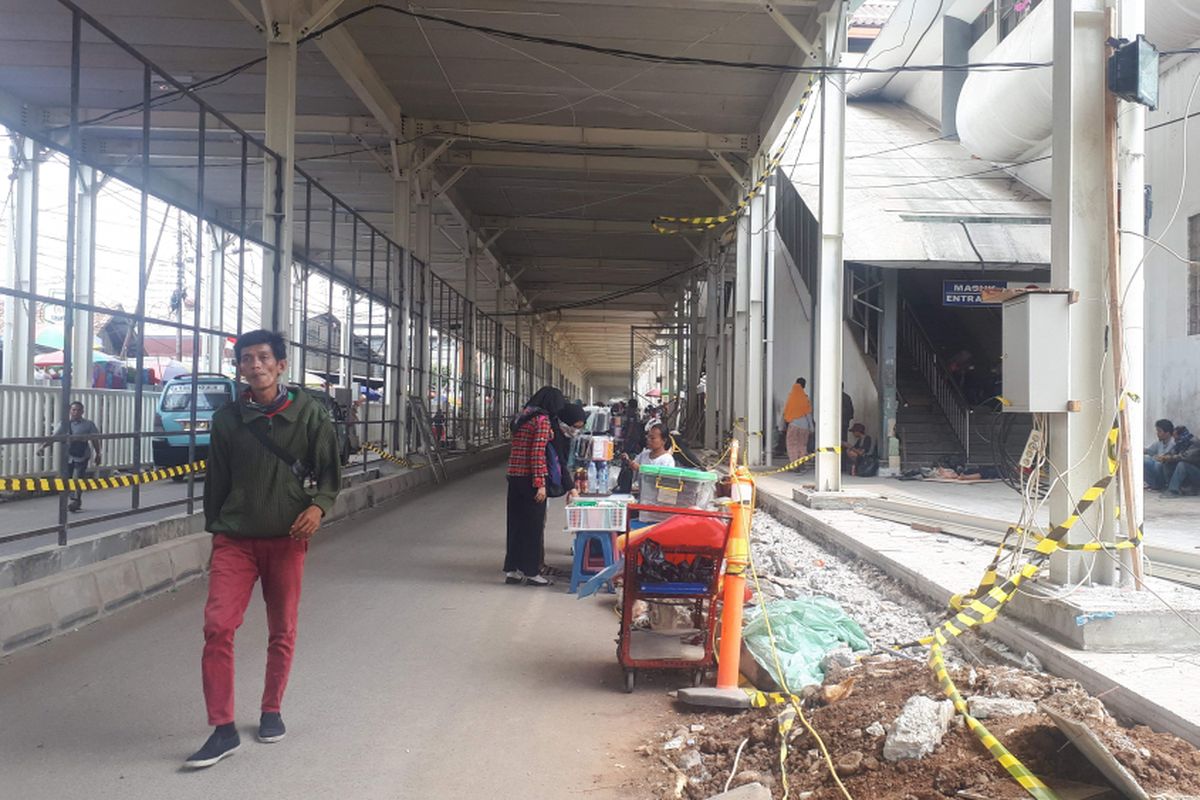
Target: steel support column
[741, 333]
[756, 331]
[278, 180]
[85, 275]
[20, 329]
[889, 322]
[828, 390]
[402, 292]
[1078, 258]
[470, 340]
[1131, 177]
[712, 366]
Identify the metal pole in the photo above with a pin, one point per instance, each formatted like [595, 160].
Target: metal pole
[1079, 253]
[1131, 281]
[756, 331]
[828, 390]
[140, 316]
[769, 415]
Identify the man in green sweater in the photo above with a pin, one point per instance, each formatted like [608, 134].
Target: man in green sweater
[273, 474]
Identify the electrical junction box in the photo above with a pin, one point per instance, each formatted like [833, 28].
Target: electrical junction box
[1036, 359]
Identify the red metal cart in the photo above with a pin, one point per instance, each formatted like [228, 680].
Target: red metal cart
[688, 535]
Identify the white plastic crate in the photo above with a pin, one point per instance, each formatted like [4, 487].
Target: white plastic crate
[606, 517]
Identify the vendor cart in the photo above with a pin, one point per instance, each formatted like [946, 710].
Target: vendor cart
[688, 545]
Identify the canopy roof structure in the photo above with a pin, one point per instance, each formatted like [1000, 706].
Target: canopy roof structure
[554, 157]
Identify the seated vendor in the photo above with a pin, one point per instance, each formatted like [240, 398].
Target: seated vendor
[656, 451]
[858, 454]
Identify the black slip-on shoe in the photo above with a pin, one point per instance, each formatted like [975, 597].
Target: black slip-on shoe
[217, 747]
[270, 727]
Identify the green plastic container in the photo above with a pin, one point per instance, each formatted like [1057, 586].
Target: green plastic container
[674, 486]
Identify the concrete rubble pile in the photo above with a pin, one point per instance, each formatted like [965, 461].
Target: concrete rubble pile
[890, 732]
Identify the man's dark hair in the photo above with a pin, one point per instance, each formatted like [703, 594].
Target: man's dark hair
[1165, 425]
[803, 383]
[251, 338]
[76, 403]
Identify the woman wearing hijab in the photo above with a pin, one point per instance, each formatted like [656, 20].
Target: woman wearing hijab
[546, 418]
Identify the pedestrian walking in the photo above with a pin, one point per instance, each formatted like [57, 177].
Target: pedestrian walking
[797, 416]
[80, 446]
[273, 473]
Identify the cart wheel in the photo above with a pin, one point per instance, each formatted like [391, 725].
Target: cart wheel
[697, 677]
[630, 680]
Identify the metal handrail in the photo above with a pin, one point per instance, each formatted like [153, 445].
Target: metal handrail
[946, 394]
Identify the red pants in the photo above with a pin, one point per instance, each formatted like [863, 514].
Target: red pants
[236, 565]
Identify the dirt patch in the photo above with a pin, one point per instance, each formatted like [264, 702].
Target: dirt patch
[852, 731]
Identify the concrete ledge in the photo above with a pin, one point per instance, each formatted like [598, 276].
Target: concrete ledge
[1155, 689]
[41, 608]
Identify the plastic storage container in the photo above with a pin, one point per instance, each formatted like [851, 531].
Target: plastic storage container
[674, 486]
[596, 515]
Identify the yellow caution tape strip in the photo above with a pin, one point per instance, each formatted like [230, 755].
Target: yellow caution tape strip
[669, 226]
[798, 462]
[384, 454]
[983, 604]
[763, 699]
[49, 485]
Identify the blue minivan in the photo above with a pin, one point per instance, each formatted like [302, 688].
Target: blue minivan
[174, 415]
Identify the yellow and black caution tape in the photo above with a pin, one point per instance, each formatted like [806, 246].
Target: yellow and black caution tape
[983, 604]
[798, 462]
[50, 485]
[387, 456]
[670, 226]
[764, 699]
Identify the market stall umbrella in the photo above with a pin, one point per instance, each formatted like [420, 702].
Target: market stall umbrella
[655, 392]
[55, 359]
[52, 339]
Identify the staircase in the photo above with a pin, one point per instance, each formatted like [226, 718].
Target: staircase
[934, 423]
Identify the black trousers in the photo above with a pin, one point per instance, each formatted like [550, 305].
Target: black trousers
[526, 527]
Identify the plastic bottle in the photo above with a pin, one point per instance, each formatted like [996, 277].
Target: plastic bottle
[603, 478]
[591, 477]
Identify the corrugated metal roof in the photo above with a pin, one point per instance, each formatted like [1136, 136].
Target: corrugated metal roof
[874, 14]
[915, 199]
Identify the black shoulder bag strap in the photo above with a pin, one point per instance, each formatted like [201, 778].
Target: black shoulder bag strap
[294, 464]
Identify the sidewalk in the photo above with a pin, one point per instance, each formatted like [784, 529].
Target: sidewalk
[418, 674]
[1157, 689]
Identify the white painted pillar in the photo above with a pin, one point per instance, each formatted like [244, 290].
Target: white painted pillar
[19, 322]
[756, 330]
[85, 277]
[1079, 258]
[213, 308]
[741, 332]
[1131, 177]
[470, 341]
[280, 137]
[713, 368]
[403, 291]
[827, 392]
[770, 413]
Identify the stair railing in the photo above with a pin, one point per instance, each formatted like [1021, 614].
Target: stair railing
[948, 397]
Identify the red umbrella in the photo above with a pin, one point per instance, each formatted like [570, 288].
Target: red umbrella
[655, 392]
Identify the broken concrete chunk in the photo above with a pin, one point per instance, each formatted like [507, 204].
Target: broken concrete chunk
[690, 759]
[992, 707]
[876, 729]
[751, 791]
[919, 729]
[850, 764]
[840, 656]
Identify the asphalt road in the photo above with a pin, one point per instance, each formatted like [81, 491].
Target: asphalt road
[418, 674]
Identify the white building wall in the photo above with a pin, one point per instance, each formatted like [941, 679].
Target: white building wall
[1172, 357]
[793, 350]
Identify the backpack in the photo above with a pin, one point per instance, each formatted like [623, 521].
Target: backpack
[558, 476]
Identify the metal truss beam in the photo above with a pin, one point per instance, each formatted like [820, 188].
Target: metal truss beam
[589, 137]
[570, 162]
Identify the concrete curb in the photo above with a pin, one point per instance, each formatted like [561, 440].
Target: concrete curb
[38, 610]
[1121, 699]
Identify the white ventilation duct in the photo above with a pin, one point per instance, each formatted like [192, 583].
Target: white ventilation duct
[1003, 115]
[1007, 116]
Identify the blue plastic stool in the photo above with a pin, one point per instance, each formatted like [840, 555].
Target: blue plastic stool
[580, 570]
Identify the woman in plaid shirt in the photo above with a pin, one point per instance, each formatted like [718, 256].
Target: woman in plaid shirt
[546, 417]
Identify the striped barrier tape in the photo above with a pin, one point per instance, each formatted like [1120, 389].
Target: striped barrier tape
[798, 462]
[384, 454]
[50, 485]
[670, 226]
[983, 604]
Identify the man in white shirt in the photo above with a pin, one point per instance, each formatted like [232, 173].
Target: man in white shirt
[1153, 474]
